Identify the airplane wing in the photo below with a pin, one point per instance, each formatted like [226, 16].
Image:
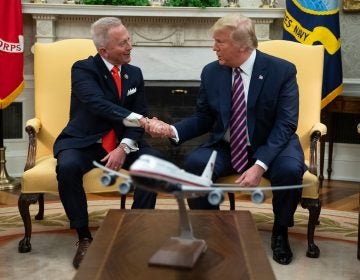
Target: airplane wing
[237, 188]
[112, 172]
[215, 193]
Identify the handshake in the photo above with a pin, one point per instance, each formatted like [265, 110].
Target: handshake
[157, 128]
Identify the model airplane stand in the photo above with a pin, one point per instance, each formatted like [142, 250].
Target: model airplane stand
[181, 251]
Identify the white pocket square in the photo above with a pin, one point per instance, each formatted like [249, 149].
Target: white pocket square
[131, 91]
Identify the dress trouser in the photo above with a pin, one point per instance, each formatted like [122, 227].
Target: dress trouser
[283, 171]
[72, 164]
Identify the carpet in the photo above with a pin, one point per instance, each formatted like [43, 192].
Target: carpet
[333, 224]
[53, 245]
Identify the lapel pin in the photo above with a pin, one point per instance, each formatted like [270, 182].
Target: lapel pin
[126, 76]
[105, 76]
[261, 77]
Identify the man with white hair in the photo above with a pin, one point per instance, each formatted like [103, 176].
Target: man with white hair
[106, 112]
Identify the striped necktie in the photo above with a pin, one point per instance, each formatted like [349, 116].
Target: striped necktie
[109, 139]
[238, 137]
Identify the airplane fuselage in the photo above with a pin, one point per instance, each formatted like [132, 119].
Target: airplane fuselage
[155, 174]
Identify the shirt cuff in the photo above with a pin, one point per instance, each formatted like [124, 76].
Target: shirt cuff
[176, 138]
[263, 165]
[130, 143]
[132, 120]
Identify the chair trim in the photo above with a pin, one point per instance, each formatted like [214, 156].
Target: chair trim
[31, 156]
[314, 140]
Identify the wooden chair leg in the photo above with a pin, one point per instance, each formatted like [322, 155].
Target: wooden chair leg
[232, 200]
[314, 207]
[23, 204]
[123, 201]
[40, 214]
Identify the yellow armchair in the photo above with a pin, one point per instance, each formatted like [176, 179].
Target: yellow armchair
[52, 67]
[309, 61]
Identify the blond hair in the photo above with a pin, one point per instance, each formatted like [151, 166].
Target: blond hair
[242, 27]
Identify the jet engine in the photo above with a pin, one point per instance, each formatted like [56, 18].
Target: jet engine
[216, 197]
[108, 180]
[124, 188]
[257, 196]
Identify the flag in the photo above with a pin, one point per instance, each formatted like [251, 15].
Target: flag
[11, 52]
[314, 22]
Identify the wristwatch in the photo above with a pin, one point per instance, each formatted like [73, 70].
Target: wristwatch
[125, 148]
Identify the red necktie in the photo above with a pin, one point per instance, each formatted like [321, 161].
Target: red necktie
[238, 137]
[109, 140]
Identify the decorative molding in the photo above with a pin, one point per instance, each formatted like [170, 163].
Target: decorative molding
[45, 27]
[133, 11]
[148, 26]
[351, 87]
[158, 36]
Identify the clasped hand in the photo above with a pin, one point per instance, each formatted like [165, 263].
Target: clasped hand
[158, 128]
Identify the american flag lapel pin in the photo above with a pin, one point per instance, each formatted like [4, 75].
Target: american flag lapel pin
[261, 77]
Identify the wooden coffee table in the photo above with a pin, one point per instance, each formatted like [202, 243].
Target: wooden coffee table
[127, 239]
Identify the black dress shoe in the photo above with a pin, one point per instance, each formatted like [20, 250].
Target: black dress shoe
[83, 244]
[281, 249]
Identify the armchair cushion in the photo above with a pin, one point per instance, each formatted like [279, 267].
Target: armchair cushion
[42, 178]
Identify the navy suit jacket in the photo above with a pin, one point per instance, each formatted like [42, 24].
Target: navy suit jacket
[95, 106]
[272, 108]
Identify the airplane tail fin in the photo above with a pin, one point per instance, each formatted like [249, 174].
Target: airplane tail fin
[209, 168]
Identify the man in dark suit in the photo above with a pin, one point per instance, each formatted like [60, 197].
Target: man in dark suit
[271, 147]
[107, 100]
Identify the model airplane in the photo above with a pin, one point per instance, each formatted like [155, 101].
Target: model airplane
[158, 175]
[153, 174]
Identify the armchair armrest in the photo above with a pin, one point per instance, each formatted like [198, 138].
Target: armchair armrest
[319, 127]
[34, 124]
[32, 128]
[317, 131]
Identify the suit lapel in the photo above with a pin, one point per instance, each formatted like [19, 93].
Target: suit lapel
[125, 76]
[224, 94]
[258, 77]
[107, 77]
